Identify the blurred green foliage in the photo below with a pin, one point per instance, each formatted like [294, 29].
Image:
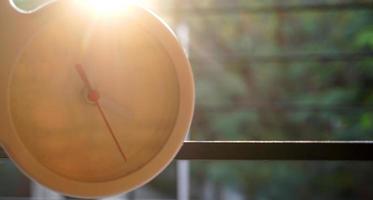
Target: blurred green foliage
[319, 92]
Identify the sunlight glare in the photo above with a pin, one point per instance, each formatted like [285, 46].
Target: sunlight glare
[106, 7]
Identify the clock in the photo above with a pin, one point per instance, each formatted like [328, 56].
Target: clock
[90, 104]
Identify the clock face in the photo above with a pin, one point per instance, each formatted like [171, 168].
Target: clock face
[95, 100]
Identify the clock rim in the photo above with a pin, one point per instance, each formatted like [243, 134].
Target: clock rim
[25, 161]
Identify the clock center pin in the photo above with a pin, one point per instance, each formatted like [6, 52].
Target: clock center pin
[93, 95]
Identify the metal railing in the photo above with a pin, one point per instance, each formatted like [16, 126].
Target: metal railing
[273, 150]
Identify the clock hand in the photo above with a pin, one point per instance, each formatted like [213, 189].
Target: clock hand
[94, 96]
[115, 107]
[110, 129]
[83, 76]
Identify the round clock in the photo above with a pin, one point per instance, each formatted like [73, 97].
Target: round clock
[91, 104]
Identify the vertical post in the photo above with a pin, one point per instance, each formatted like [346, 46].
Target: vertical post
[41, 192]
[183, 172]
[182, 166]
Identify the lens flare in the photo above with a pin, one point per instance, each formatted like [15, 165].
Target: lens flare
[105, 7]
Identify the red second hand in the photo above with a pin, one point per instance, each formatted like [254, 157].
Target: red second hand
[94, 96]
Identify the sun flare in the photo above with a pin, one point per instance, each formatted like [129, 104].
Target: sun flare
[105, 7]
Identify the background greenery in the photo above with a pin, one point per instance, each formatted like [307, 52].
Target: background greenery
[275, 75]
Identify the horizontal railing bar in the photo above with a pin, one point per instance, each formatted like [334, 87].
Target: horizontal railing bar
[290, 57]
[274, 107]
[197, 10]
[274, 150]
[277, 150]
[3, 154]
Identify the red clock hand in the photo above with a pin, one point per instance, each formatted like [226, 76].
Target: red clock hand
[94, 96]
[110, 129]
